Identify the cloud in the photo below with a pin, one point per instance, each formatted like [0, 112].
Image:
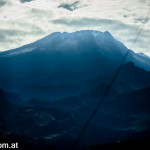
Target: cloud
[10, 36]
[15, 37]
[84, 21]
[23, 1]
[71, 7]
[3, 3]
[32, 21]
[141, 20]
[10, 32]
[39, 13]
[2, 37]
[96, 23]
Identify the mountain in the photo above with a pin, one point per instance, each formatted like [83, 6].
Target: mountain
[85, 41]
[52, 86]
[59, 64]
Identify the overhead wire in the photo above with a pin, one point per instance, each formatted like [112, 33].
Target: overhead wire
[89, 120]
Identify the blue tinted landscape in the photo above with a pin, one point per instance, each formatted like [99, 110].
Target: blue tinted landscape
[49, 88]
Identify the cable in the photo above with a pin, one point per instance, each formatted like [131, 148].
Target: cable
[107, 89]
[100, 102]
[140, 31]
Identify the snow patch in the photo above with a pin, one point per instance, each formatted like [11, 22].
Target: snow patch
[26, 50]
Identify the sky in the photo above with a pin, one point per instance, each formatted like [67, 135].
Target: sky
[25, 21]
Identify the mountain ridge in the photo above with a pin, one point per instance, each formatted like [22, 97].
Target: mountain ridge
[94, 41]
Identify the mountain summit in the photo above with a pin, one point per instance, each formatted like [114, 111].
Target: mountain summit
[61, 60]
[85, 41]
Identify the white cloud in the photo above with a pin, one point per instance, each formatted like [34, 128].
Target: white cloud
[22, 23]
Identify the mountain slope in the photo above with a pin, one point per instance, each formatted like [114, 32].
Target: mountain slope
[59, 81]
[57, 64]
